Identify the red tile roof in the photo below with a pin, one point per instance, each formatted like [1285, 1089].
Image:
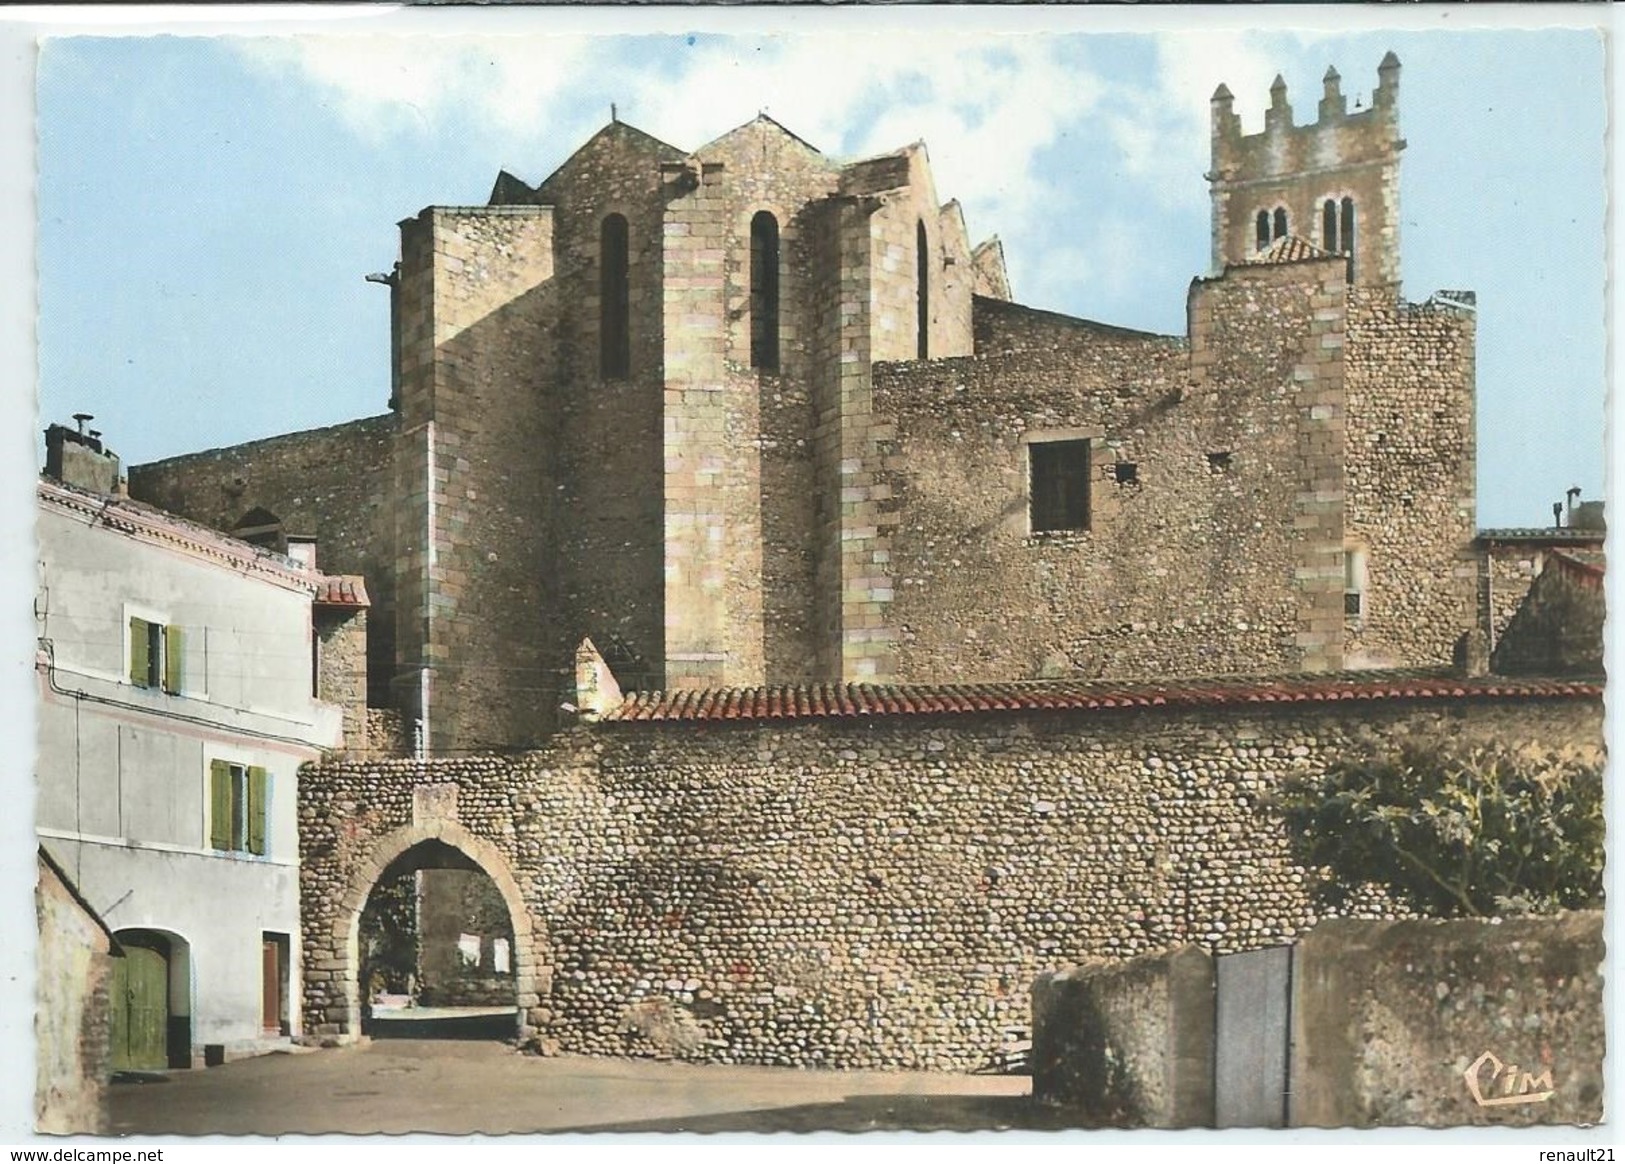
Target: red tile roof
[854, 700]
[341, 590]
[1288, 248]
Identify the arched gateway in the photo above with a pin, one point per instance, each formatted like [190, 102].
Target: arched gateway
[337, 959]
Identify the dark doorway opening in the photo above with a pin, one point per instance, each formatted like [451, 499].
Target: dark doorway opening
[437, 954]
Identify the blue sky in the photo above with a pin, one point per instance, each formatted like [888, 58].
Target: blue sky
[209, 206]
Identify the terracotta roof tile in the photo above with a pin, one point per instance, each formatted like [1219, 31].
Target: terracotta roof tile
[869, 700]
[1287, 249]
[341, 590]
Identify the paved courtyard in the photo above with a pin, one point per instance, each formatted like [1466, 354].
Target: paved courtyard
[463, 1087]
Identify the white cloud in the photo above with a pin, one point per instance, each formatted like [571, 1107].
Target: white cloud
[985, 104]
[381, 85]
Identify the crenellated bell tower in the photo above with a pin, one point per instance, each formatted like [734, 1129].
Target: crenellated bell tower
[1333, 182]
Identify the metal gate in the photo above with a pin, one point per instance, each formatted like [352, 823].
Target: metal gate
[1252, 1030]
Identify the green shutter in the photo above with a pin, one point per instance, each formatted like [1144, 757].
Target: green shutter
[256, 811]
[219, 805]
[174, 646]
[140, 660]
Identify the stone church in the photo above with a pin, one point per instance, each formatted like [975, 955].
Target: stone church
[869, 641]
[748, 416]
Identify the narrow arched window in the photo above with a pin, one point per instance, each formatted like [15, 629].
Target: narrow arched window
[1348, 234]
[1328, 227]
[1280, 222]
[922, 291]
[1263, 232]
[614, 301]
[764, 291]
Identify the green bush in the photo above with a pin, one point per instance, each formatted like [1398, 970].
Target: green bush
[1452, 829]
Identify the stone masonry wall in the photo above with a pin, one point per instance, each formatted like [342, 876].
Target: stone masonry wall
[1411, 478]
[876, 893]
[1505, 574]
[1389, 1018]
[334, 484]
[341, 673]
[1298, 167]
[1558, 629]
[606, 445]
[473, 509]
[738, 518]
[1215, 534]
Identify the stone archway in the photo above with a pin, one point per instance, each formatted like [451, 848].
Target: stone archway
[342, 959]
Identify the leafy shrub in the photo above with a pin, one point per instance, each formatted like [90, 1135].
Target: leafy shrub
[1453, 829]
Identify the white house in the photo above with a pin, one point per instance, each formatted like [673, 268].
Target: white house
[178, 679]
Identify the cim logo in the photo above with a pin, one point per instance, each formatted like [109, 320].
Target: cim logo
[1494, 1083]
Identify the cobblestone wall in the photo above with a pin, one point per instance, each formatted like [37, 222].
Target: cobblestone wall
[1411, 481]
[855, 894]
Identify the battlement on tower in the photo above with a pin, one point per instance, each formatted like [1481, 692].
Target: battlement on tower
[1333, 181]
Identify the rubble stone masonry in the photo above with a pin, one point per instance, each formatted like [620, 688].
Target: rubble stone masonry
[846, 893]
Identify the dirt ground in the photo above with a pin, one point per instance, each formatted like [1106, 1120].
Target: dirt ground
[463, 1087]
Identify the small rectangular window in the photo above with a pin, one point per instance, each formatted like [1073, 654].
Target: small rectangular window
[1059, 485]
[1354, 583]
[1219, 461]
[1126, 473]
[237, 807]
[157, 653]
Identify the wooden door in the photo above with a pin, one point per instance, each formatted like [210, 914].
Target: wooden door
[271, 989]
[140, 1006]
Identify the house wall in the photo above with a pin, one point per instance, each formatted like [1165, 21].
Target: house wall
[875, 893]
[123, 771]
[333, 484]
[72, 1045]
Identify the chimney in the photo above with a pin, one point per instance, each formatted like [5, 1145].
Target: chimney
[76, 457]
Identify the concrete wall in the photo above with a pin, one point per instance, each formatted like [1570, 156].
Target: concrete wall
[124, 771]
[1389, 1018]
[71, 1014]
[875, 893]
[1392, 1024]
[1128, 1045]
